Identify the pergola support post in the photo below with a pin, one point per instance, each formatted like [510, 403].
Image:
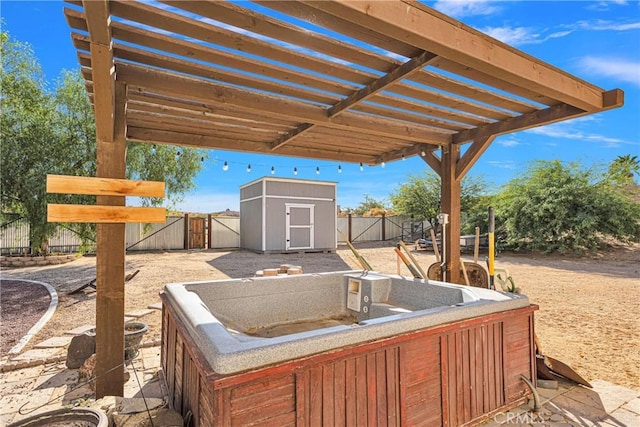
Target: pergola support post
[110, 263]
[450, 205]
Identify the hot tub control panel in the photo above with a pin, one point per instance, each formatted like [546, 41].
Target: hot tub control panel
[359, 294]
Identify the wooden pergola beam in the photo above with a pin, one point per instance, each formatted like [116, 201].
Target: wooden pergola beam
[407, 21]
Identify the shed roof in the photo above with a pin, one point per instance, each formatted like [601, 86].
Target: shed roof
[353, 81]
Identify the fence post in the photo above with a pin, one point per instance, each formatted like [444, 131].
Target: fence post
[384, 226]
[186, 231]
[349, 227]
[209, 231]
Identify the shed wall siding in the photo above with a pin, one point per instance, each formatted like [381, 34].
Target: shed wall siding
[324, 225]
[251, 224]
[251, 190]
[302, 189]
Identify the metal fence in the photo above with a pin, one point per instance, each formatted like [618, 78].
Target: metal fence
[224, 233]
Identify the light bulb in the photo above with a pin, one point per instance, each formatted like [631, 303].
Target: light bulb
[403, 158]
[225, 167]
[273, 170]
[249, 167]
[202, 159]
[295, 171]
[318, 170]
[361, 167]
[339, 169]
[383, 164]
[422, 153]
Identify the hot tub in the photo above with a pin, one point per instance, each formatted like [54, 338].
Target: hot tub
[330, 347]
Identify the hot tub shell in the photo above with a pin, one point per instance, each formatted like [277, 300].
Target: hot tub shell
[424, 353]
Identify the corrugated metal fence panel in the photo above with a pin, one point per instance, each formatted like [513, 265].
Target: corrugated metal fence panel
[225, 232]
[169, 235]
[67, 241]
[393, 227]
[15, 237]
[366, 229]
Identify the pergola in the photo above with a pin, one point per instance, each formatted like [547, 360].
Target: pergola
[355, 81]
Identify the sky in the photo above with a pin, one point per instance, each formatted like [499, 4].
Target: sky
[598, 41]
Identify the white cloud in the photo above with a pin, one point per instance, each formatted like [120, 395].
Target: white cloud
[504, 164]
[618, 69]
[459, 8]
[567, 130]
[517, 36]
[508, 142]
[602, 6]
[602, 25]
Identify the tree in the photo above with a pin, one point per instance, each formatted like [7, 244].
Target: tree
[420, 197]
[558, 207]
[368, 205]
[622, 170]
[54, 133]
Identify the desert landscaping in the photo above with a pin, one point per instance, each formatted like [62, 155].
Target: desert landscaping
[588, 315]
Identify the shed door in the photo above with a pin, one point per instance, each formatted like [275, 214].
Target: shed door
[299, 226]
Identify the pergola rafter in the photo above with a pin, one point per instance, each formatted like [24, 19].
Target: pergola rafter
[349, 81]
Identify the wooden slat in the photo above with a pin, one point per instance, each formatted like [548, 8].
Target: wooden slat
[472, 48]
[193, 89]
[65, 184]
[249, 20]
[104, 214]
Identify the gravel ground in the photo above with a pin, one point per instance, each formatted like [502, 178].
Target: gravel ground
[588, 313]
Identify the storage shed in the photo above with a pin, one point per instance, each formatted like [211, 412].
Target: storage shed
[288, 215]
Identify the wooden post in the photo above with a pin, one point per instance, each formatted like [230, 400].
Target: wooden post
[209, 224]
[384, 227]
[349, 233]
[110, 260]
[186, 231]
[450, 205]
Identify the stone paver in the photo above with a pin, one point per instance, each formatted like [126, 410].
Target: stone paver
[139, 313]
[38, 353]
[156, 306]
[79, 330]
[55, 342]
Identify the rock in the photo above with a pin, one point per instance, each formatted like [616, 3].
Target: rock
[134, 405]
[162, 417]
[556, 418]
[86, 371]
[80, 348]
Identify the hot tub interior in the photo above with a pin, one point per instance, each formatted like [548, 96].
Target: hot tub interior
[264, 307]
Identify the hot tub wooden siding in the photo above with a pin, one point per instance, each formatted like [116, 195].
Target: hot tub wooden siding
[455, 374]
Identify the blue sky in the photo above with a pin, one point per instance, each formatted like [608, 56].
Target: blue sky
[598, 41]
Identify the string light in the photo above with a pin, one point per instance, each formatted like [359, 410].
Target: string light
[225, 167]
[295, 171]
[249, 167]
[383, 164]
[178, 153]
[317, 170]
[403, 158]
[361, 167]
[202, 159]
[273, 170]
[422, 153]
[339, 168]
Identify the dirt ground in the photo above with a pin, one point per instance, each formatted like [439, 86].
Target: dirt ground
[589, 313]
